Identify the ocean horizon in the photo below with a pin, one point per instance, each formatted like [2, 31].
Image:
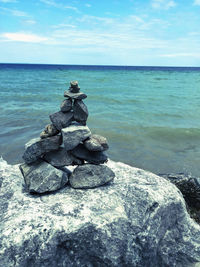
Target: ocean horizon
[149, 114]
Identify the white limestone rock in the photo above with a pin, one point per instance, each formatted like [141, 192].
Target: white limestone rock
[139, 219]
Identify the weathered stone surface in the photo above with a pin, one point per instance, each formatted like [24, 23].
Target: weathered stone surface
[91, 176]
[139, 219]
[66, 105]
[61, 157]
[50, 130]
[41, 177]
[74, 134]
[61, 120]
[189, 187]
[96, 143]
[71, 95]
[94, 157]
[37, 147]
[80, 111]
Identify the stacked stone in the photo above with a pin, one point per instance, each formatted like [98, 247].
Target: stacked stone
[66, 141]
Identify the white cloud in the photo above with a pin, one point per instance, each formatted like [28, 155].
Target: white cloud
[63, 25]
[49, 2]
[175, 55]
[71, 7]
[87, 5]
[58, 5]
[14, 12]
[30, 21]
[100, 40]
[163, 4]
[197, 2]
[22, 37]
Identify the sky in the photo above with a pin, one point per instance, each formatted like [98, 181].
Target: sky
[100, 32]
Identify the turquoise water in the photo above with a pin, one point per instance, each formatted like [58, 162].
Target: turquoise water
[150, 116]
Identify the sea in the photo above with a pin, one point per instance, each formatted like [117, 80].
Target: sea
[149, 115]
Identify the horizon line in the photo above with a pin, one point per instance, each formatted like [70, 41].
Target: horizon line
[107, 65]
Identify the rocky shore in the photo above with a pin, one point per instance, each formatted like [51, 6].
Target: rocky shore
[190, 188]
[139, 219]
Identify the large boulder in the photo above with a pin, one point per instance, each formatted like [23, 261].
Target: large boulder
[74, 135]
[41, 177]
[91, 176]
[137, 220]
[37, 147]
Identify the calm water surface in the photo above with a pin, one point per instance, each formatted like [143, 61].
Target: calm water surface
[150, 116]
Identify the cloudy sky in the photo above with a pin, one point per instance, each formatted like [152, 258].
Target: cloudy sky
[101, 32]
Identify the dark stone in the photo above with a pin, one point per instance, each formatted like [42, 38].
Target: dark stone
[71, 95]
[74, 84]
[66, 105]
[91, 176]
[80, 111]
[189, 187]
[96, 143]
[74, 135]
[41, 177]
[50, 130]
[37, 147]
[74, 88]
[61, 157]
[61, 120]
[94, 157]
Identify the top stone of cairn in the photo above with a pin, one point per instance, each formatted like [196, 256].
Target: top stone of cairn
[74, 88]
[74, 91]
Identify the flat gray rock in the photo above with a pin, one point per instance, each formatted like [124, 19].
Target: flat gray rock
[91, 176]
[61, 120]
[41, 177]
[71, 95]
[50, 130]
[61, 157]
[66, 105]
[140, 219]
[80, 111]
[96, 143]
[37, 147]
[94, 157]
[74, 135]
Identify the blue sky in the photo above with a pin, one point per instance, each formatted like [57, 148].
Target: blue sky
[112, 32]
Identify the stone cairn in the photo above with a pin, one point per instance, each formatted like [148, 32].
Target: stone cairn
[66, 141]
